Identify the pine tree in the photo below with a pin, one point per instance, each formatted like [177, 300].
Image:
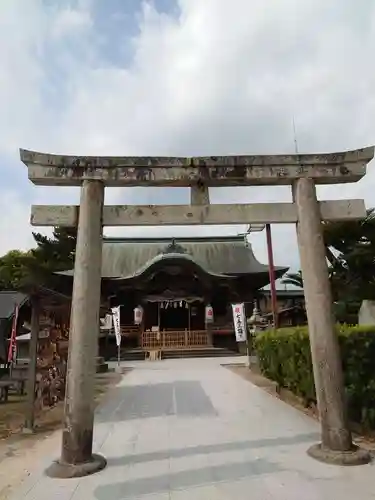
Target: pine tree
[351, 254]
[52, 255]
[56, 253]
[294, 279]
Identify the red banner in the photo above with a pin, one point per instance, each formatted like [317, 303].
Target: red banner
[13, 337]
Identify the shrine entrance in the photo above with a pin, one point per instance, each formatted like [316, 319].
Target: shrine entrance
[178, 314]
[174, 315]
[301, 171]
[172, 324]
[171, 340]
[174, 292]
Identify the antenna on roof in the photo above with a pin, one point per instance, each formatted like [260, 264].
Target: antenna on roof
[295, 137]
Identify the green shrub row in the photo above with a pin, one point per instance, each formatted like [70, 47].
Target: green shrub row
[285, 357]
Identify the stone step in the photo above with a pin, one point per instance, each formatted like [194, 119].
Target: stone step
[103, 368]
[204, 352]
[101, 365]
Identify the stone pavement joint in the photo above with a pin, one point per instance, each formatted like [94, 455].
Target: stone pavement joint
[192, 429]
[181, 398]
[186, 479]
[211, 448]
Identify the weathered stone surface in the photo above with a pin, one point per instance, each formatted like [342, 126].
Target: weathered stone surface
[325, 351]
[54, 215]
[61, 470]
[355, 456]
[199, 195]
[77, 434]
[46, 169]
[156, 215]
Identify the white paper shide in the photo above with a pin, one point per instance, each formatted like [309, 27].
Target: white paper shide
[116, 324]
[239, 321]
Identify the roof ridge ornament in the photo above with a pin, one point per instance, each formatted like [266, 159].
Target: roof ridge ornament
[174, 247]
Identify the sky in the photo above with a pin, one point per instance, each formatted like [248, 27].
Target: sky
[182, 77]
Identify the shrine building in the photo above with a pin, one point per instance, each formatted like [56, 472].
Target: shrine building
[176, 282]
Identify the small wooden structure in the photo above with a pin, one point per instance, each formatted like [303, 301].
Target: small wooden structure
[44, 367]
[8, 301]
[48, 349]
[289, 316]
[290, 305]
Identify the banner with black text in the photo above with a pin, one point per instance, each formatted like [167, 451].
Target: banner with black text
[116, 324]
[239, 321]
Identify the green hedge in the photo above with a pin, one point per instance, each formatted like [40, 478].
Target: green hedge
[284, 356]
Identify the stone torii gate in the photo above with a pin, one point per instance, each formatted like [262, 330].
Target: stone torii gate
[302, 172]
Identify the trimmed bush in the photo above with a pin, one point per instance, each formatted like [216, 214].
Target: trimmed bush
[285, 357]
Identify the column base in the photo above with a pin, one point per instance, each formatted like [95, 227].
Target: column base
[28, 431]
[355, 456]
[242, 348]
[61, 470]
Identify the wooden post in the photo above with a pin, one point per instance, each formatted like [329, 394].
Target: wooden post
[209, 335]
[159, 316]
[33, 351]
[189, 318]
[271, 267]
[77, 458]
[328, 375]
[106, 344]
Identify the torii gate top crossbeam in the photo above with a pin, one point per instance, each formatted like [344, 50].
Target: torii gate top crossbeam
[212, 171]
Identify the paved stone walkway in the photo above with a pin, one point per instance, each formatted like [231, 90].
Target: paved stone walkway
[191, 430]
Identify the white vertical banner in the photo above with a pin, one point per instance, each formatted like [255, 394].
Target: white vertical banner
[239, 321]
[116, 324]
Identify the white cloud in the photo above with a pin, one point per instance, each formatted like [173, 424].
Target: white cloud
[13, 213]
[71, 22]
[223, 78]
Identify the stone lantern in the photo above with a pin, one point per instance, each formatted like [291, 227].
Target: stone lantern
[254, 324]
[255, 319]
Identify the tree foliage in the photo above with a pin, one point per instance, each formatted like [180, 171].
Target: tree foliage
[38, 265]
[350, 250]
[14, 269]
[294, 279]
[351, 255]
[56, 253]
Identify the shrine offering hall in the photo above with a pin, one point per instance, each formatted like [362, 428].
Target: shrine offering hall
[180, 291]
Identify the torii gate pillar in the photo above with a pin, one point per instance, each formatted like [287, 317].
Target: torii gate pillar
[77, 459]
[336, 441]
